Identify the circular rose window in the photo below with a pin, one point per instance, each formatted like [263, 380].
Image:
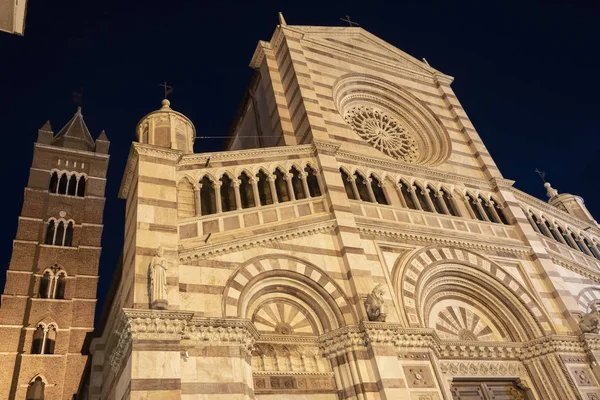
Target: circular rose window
[383, 132]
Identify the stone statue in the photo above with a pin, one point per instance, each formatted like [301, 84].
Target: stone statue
[158, 274]
[374, 304]
[590, 322]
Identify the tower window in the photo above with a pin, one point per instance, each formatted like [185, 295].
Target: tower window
[447, 198]
[475, 207]
[44, 339]
[435, 200]
[59, 233]
[35, 390]
[53, 188]
[420, 192]
[281, 186]
[67, 183]
[53, 283]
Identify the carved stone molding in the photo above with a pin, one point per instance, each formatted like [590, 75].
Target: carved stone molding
[328, 148]
[482, 368]
[194, 255]
[250, 154]
[572, 266]
[222, 332]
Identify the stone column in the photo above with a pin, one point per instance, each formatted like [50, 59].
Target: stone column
[428, 199]
[398, 187]
[442, 203]
[197, 204]
[492, 206]
[303, 176]
[368, 182]
[254, 182]
[271, 179]
[352, 180]
[288, 180]
[236, 189]
[411, 190]
[481, 210]
[217, 187]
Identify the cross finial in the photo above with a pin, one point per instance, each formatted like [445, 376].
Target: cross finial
[349, 21]
[77, 96]
[542, 174]
[168, 89]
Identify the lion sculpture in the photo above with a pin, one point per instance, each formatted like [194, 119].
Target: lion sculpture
[374, 304]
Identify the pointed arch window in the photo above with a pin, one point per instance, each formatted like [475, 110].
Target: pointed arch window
[377, 188]
[281, 186]
[50, 340]
[246, 191]
[578, 242]
[60, 285]
[69, 235]
[53, 187]
[347, 185]
[554, 231]
[62, 184]
[475, 207]
[35, 390]
[449, 201]
[488, 208]
[435, 197]
[264, 188]
[59, 233]
[72, 188]
[312, 182]
[500, 212]
[566, 239]
[45, 282]
[53, 283]
[407, 196]
[81, 183]
[227, 194]
[208, 202]
[50, 232]
[297, 184]
[593, 248]
[37, 344]
[361, 186]
[420, 192]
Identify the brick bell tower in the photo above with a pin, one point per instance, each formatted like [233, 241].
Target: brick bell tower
[48, 304]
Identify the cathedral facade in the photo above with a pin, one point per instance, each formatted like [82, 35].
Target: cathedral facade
[356, 240]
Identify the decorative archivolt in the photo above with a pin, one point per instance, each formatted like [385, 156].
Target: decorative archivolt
[587, 297]
[452, 276]
[391, 119]
[264, 283]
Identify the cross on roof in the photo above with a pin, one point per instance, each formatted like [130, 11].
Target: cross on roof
[168, 89]
[349, 21]
[542, 174]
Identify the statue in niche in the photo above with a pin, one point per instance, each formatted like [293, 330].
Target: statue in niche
[158, 275]
[374, 304]
[590, 322]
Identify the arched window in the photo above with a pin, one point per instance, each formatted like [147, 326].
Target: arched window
[377, 188]
[53, 182]
[475, 207]
[69, 235]
[186, 199]
[488, 209]
[297, 184]
[45, 285]
[347, 185]
[246, 191]
[420, 192]
[208, 202]
[227, 194]
[312, 182]
[264, 188]
[500, 212]
[81, 186]
[435, 197]
[361, 185]
[60, 285]
[553, 230]
[407, 196]
[281, 186]
[566, 238]
[35, 391]
[50, 340]
[578, 242]
[542, 227]
[62, 184]
[72, 189]
[448, 200]
[37, 344]
[593, 249]
[60, 233]
[50, 232]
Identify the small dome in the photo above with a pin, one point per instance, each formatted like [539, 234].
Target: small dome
[167, 128]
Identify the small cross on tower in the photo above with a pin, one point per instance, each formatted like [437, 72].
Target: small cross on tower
[168, 89]
[349, 21]
[542, 174]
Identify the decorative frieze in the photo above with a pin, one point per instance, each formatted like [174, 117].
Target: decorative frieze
[482, 368]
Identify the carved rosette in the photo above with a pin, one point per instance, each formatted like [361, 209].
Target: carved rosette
[383, 132]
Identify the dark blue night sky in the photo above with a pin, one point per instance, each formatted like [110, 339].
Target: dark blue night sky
[526, 73]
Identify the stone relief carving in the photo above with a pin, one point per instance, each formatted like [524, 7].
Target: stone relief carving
[158, 282]
[590, 322]
[277, 357]
[374, 304]
[383, 132]
[481, 368]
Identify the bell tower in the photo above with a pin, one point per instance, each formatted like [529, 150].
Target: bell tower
[48, 304]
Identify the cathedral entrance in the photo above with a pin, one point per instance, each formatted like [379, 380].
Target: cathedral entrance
[474, 389]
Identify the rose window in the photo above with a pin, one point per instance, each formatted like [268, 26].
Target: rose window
[383, 132]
